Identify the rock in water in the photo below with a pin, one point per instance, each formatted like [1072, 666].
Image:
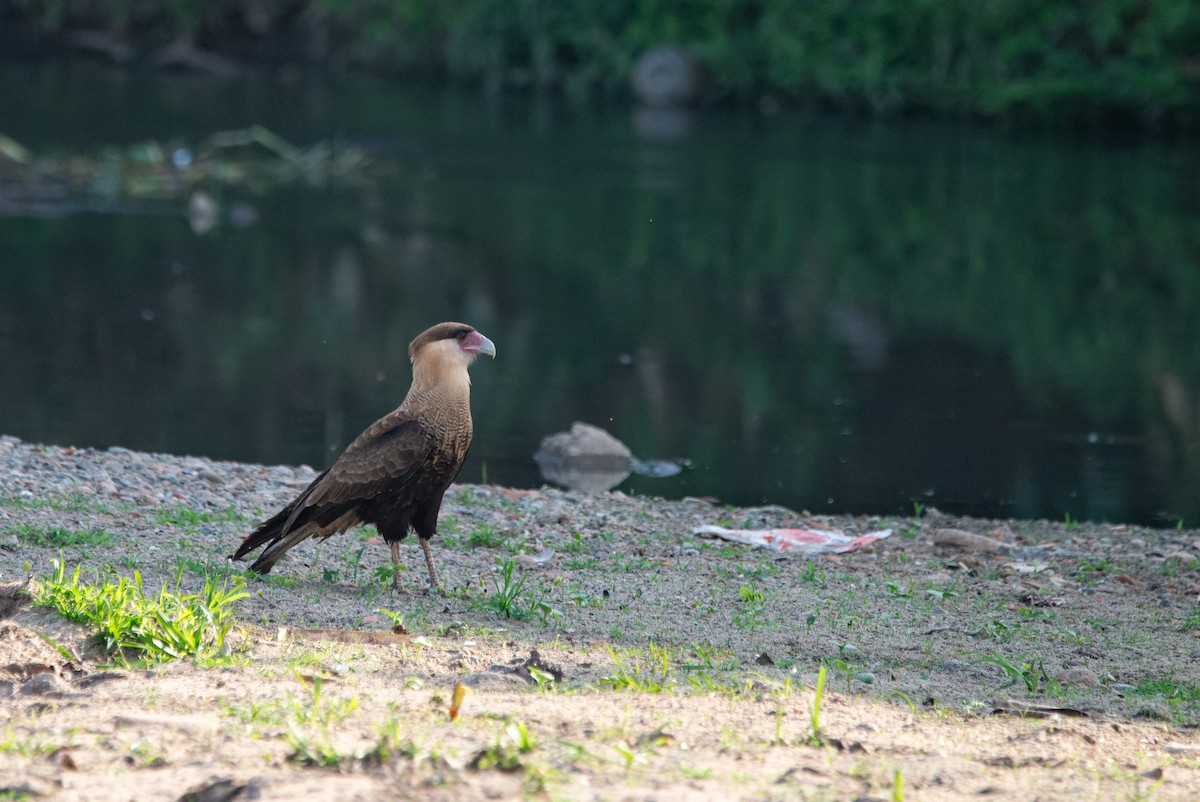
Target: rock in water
[587, 459]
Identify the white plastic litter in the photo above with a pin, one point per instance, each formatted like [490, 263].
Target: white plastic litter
[803, 541]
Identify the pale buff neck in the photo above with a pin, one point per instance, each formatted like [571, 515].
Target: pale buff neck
[441, 386]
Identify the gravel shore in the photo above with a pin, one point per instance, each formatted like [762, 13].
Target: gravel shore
[922, 634]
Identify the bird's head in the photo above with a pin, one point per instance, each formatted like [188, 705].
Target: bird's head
[446, 347]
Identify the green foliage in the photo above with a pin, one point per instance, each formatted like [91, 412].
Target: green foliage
[1053, 60]
[132, 625]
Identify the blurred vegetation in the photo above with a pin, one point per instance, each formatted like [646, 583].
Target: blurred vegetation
[1127, 62]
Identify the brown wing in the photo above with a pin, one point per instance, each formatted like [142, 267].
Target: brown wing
[389, 453]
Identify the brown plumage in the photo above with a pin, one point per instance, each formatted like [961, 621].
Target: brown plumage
[394, 474]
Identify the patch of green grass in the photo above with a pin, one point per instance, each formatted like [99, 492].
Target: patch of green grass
[652, 670]
[308, 720]
[576, 545]
[316, 709]
[648, 672]
[506, 753]
[511, 599]
[189, 518]
[72, 503]
[486, 537]
[1191, 622]
[1174, 566]
[580, 599]
[152, 629]
[223, 568]
[752, 609]
[57, 537]
[634, 565]
[1170, 691]
[11, 743]
[711, 658]
[1096, 565]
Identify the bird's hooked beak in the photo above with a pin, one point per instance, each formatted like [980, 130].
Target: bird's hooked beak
[476, 343]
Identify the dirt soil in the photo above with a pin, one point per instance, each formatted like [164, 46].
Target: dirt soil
[1041, 661]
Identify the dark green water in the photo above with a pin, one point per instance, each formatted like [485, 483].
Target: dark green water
[825, 315]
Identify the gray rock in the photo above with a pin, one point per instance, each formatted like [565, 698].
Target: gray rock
[98, 678]
[970, 541]
[495, 681]
[44, 684]
[587, 459]
[1078, 676]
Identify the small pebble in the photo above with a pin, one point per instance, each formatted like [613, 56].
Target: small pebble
[1078, 676]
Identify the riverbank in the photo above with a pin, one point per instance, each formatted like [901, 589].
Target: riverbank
[1046, 659]
[1105, 67]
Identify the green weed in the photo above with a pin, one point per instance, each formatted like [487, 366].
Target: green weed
[576, 545]
[57, 537]
[188, 518]
[1171, 692]
[167, 627]
[631, 673]
[510, 597]
[222, 568]
[1031, 672]
[753, 608]
[814, 726]
[1191, 622]
[72, 503]
[812, 574]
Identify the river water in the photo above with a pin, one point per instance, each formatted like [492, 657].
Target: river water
[834, 316]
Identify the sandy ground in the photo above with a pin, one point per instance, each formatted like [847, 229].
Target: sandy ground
[645, 662]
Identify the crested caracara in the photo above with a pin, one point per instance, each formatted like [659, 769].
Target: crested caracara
[394, 474]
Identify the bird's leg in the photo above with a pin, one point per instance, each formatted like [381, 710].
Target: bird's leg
[433, 578]
[397, 585]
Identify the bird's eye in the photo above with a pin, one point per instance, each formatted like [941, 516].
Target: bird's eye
[461, 335]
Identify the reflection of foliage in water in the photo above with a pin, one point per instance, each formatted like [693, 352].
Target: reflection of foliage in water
[713, 264]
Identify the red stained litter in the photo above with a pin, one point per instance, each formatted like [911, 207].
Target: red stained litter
[803, 541]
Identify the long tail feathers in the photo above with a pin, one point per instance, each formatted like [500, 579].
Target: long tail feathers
[278, 541]
[281, 543]
[286, 529]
